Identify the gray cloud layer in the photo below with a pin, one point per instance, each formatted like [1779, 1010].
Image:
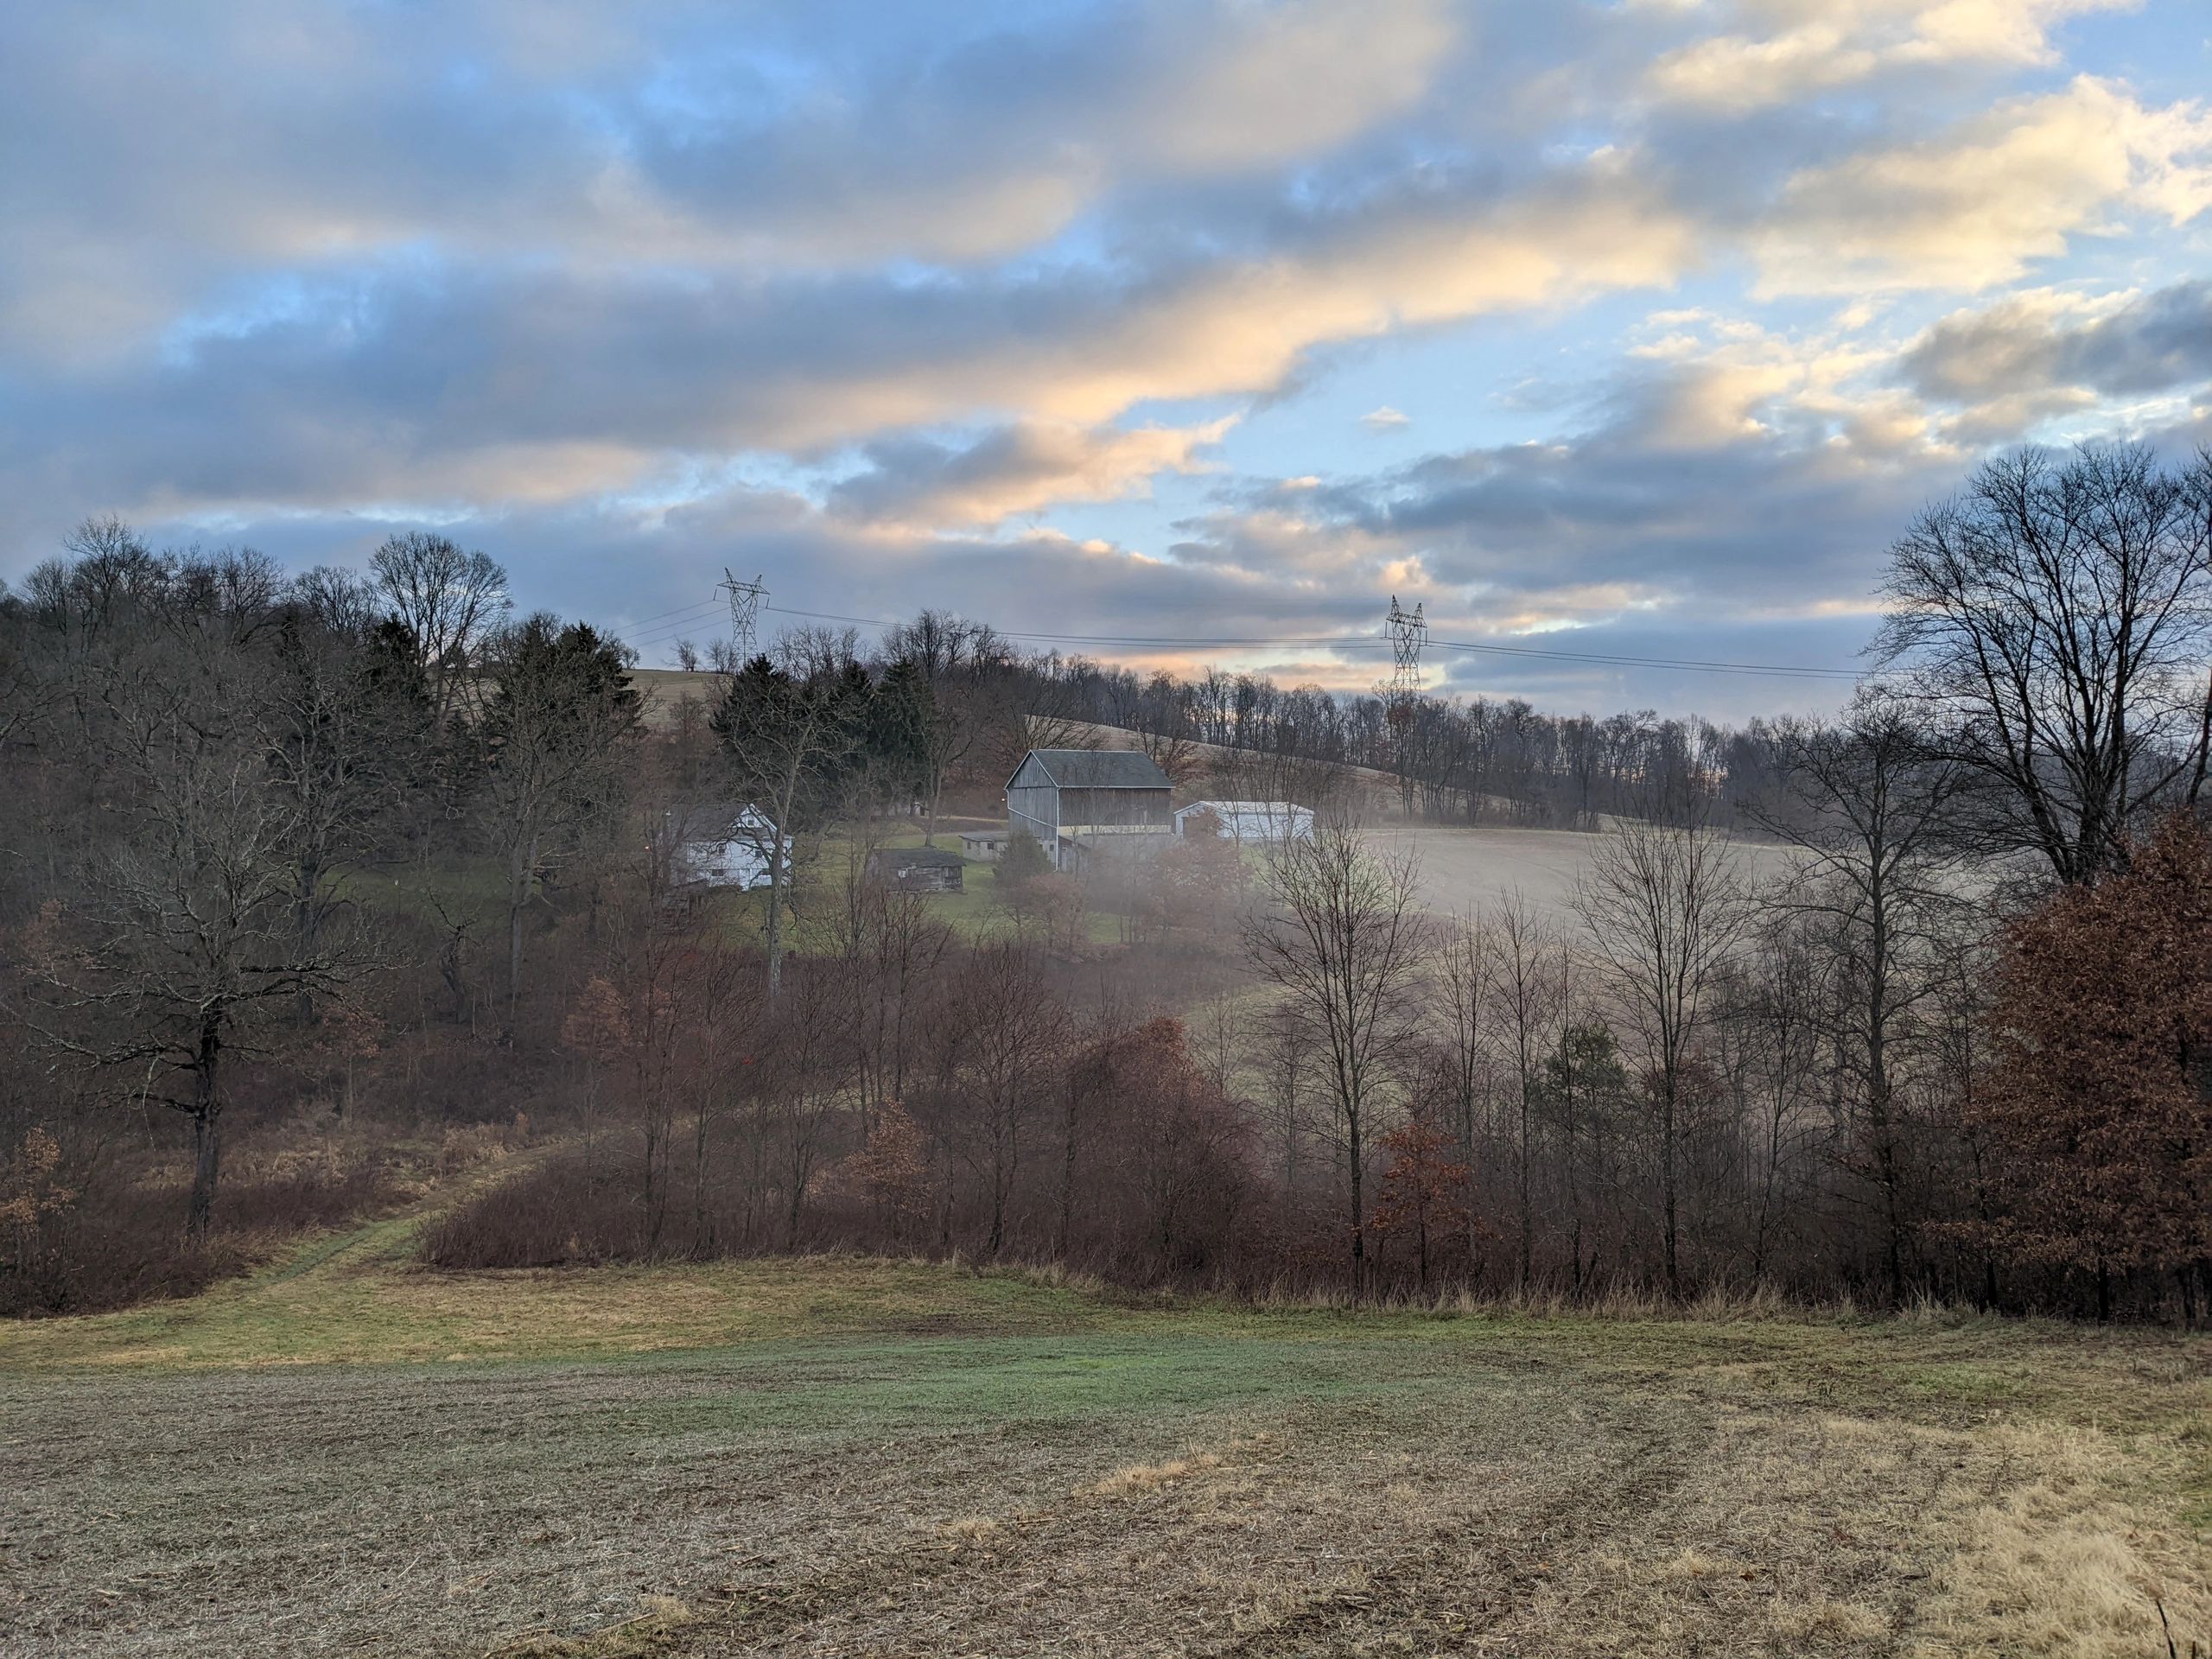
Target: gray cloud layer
[563, 274]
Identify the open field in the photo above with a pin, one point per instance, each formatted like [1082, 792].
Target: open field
[1461, 869]
[346, 1454]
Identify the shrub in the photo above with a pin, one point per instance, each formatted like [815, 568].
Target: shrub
[566, 1211]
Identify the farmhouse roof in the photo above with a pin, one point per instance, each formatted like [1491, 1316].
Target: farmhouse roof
[718, 820]
[1099, 768]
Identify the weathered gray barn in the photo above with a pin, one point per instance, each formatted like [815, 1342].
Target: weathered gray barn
[918, 869]
[1068, 797]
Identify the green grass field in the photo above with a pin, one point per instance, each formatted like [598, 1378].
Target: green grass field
[474, 889]
[347, 1453]
[975, 913]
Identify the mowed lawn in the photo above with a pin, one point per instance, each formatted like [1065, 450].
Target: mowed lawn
[348, 1454]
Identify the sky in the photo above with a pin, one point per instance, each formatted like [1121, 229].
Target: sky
[1171, 332]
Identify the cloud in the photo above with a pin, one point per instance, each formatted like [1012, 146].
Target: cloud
[1972, 207]
[901, 294]
[1786, 49]
[2030, 356]
[2126, 343]
[1726, 475]
[262, 135]
[1021, 468]
[408, 382]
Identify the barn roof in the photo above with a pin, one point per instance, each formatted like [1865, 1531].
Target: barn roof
[1099, 768]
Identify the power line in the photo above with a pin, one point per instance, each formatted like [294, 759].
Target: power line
[685, 623]
[1354, 642]
[1340, 643]
[681, 610]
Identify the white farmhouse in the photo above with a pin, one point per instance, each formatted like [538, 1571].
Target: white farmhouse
[726, 851]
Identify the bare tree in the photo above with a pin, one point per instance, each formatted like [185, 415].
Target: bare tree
[1463, 995]
[2051, 625]
[1880, 879]
[448, 600]
[1000, 1048]
[1784, 1001]
[1526, 987]
[1344, 936]
[1582, 1079]
[788, 741]
[1665, 908]
[341, 723]
[187, 934]
[1287, 1065]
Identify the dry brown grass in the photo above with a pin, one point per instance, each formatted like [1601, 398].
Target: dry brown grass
[871, 1457]
[1151, 1476]
[2064, 1549]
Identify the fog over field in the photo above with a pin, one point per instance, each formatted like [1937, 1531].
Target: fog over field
[1461, 870]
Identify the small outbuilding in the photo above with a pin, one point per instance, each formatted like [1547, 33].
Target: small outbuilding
[983, 846]
[1259, 821]
[918, 869]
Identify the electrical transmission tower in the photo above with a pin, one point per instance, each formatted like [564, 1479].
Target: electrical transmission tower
[744, 600]
[1409, 633]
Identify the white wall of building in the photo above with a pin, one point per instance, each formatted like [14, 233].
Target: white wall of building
[1252, 821]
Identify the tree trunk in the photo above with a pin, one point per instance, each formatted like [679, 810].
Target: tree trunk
[702, 1241]
[206, 1128]
[1667, 1182]
[1067, 1172]
[1527, 1220]
[1358, 1214]
[518, 885]
[307, 926]
[776, 911]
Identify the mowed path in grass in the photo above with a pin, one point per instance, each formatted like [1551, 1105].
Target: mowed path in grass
[349, 1455]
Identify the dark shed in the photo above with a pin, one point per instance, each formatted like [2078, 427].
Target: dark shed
[918, 869]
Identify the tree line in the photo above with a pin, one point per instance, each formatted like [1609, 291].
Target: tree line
[357, 860]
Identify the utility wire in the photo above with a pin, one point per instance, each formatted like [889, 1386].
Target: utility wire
[697, 615]
[1222, 642]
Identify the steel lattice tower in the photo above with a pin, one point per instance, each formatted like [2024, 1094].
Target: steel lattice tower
[745, 599]
[1409, 633]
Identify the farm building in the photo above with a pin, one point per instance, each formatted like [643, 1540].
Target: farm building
[1074, 800]
[724, 849]
[918, 869]
[1247, 821]
[983, 846]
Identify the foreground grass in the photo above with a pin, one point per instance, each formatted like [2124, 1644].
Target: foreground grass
[346, 1454]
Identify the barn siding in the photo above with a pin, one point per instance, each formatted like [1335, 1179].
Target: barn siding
[1033, 803]
[1116, 806]
[1047, 810]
